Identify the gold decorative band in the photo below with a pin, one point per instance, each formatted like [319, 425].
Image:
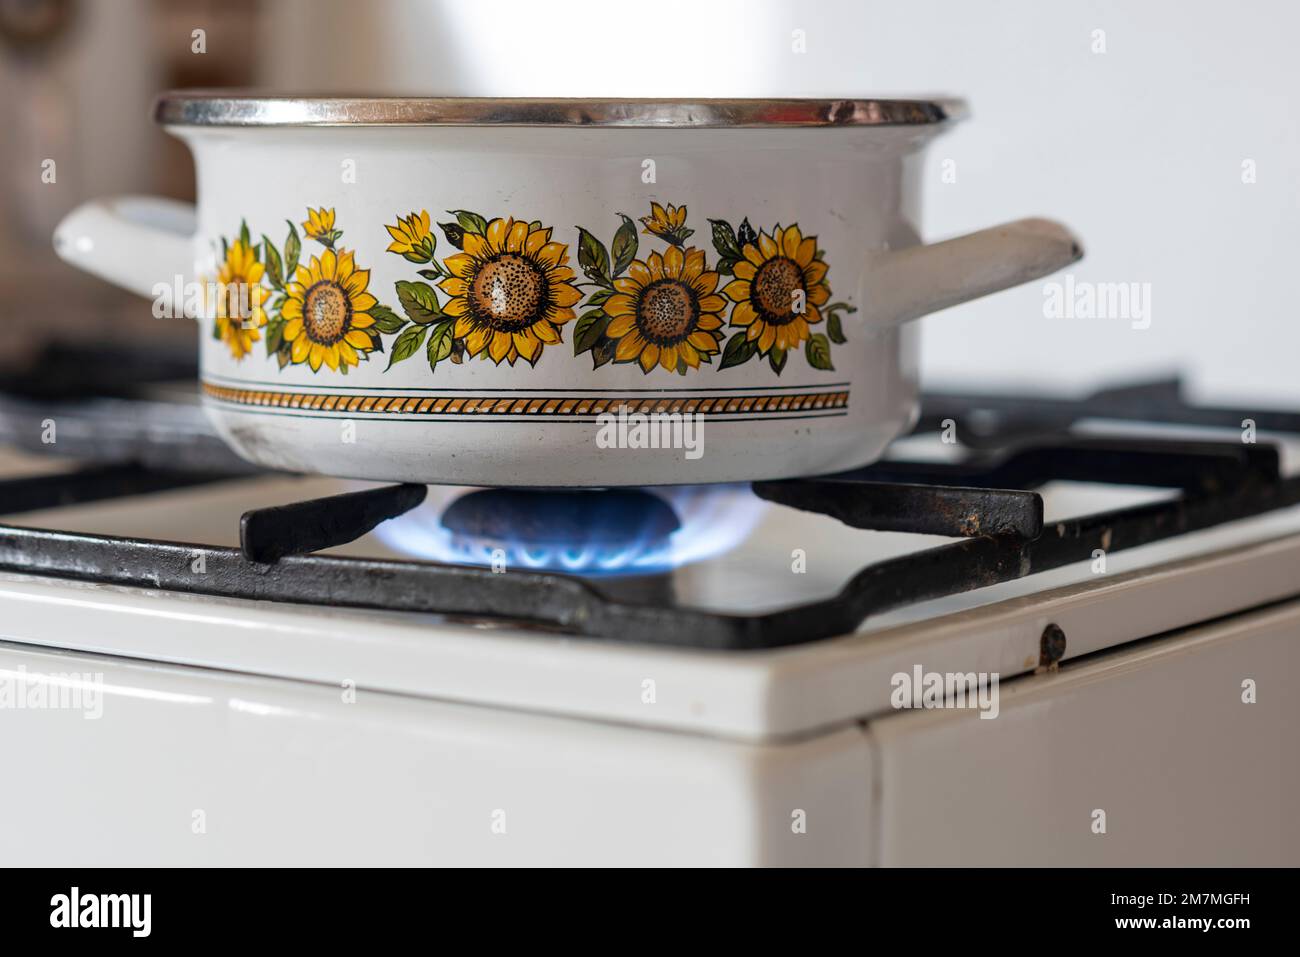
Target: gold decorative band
[555, 406]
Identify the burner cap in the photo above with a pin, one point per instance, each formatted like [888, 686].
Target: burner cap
[525, 518]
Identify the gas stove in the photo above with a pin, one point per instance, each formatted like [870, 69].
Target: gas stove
[287, 669]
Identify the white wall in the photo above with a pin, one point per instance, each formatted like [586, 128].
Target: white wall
[1139, 148]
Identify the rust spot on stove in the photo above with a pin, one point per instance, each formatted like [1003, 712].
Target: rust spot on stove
[1051, 649]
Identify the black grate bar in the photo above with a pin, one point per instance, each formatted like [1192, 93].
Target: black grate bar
[555, 600]
[1199, 466]
[64, 370]
[1159, 401]
[167, 435]
[977, 563]
[269, 534]
[947, 510]
[92, 485]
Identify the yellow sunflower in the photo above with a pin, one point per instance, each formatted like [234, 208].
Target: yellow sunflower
[319, 225]
[241, 298]
[665, 310]
[412, 237]
[511, 289]
[767, 282]
[667, 222]
[327, 312]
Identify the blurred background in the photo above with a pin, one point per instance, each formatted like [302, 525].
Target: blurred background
[1165, 133]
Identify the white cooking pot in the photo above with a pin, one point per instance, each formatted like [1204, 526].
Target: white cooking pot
[554, 292]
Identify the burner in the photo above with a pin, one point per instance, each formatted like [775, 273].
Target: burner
[574, 529]
[587, 532]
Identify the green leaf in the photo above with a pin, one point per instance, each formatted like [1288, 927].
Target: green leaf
[244, 236]
[274, 336]
[738, 350]
[419, 301]
[407, 344]
[376, 343]
[225, 247]
[599, 296]
[624, 245]
[725, 267]
[440, 339]
[776, 359]
[818, 352]
[454, 233]
[430, 274]
[386, 321]
[274, 269]
[833, 328]
[593, 258]
[292, 250]
[589, 330]
[724, 240]
[746, 236]
[470, 222]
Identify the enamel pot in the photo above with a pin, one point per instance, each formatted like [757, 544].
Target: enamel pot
[554, 292]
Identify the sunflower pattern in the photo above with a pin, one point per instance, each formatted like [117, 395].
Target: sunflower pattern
[327, 312]
[238, 306]
[319, 225]
[412, 238]
[508, 291]
[511, 290]
[662, 311]
[779, 294]
[321, 313]
[668, 223]
[666, 310]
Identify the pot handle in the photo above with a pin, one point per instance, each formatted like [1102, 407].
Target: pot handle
[136, 242]
[908, 283]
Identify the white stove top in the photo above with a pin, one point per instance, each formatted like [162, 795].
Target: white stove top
[752, 695]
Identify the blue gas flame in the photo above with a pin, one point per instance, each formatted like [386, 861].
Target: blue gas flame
[713, 520]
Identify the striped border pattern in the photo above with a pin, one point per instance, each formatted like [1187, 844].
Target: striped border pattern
[554, 406]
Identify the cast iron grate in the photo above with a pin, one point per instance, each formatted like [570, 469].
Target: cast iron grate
[987, 501]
